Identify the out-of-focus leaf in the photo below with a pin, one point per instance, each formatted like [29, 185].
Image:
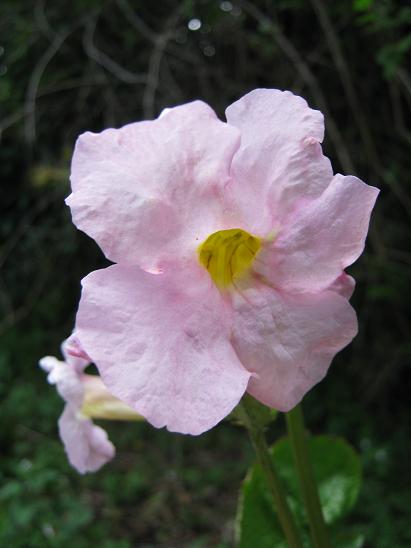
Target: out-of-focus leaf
[362, 5]
[348, 540]
[338, 472]
[256, 518]
[337, 469]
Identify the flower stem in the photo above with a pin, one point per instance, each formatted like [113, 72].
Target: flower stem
[297, 434]
[257, 436]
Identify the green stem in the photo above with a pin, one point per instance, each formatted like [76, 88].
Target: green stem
[256, 433]
[297, 434]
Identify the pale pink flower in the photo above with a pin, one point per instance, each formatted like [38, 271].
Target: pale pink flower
[231, 241]
[87, 445]
[74, 354]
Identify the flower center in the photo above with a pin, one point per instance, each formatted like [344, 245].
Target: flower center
[228, 254]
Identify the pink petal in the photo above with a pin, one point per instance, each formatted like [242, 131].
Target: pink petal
[289, 341]
[66, 379]
[280, 165]
[87, 446]
[74, 354]
[150, 191]
[344, 285]
[314, 248]
[165, 350]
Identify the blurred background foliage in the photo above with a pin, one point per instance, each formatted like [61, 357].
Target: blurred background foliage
[67, 67]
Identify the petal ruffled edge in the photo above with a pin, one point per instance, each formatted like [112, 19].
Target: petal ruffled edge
[165, 350]
[87, 446]
[320, 241]
[137, 190]
[289, 341]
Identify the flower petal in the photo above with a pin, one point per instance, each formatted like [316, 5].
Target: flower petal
[74, 354]
[344, 285]
[323, 239]
[280, 165]
[165, 350]
[65, 377]
[289, 341]
[150, 191]
[87, 445]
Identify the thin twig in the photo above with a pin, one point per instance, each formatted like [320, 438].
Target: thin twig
[346, 81]
[148, 34]
[34, 82]
[308, 77]
[121, 73]
[154, 71]
[41, 20]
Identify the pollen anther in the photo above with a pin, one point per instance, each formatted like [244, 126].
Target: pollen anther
[228, 255]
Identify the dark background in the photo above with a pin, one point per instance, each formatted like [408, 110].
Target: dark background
[67, 67]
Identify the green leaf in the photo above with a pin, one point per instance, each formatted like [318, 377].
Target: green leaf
[338, 472]
[347, 540]
[257, 523]
[362, 5]
[391, 56]
[337, 469]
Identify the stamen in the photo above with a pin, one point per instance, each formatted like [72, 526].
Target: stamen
[228, 255]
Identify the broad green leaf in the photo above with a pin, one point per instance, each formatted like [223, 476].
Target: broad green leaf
[337, 469]
[257, 523]
[338, 472]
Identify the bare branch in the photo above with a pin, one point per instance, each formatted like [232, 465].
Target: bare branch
[346, 81]
[34, 82]
[307, 76]
[122, 74]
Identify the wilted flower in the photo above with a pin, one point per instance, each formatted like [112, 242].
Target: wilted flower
[231, 241]
[86, 397]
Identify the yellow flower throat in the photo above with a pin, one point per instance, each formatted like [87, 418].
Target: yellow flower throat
[228, 255]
